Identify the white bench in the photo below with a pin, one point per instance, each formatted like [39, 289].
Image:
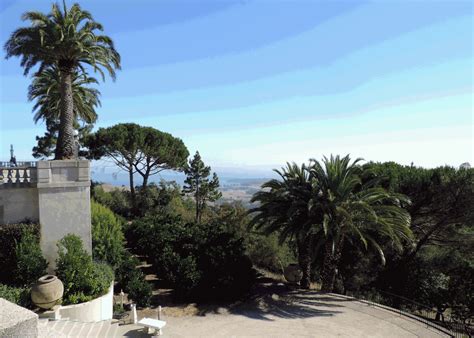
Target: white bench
[152, 324]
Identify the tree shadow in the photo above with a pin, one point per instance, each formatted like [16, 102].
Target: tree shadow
[138, 333]
[270, 301]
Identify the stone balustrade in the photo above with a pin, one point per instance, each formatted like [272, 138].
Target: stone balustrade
[18, 175]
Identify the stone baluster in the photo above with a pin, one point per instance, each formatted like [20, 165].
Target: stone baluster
[10, 176]
[25, 175]
[17, 175]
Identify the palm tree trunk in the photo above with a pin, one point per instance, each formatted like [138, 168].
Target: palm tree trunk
[304, 255]
[65, 145]
[331, 262]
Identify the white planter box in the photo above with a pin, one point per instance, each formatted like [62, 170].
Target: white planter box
[93, 311]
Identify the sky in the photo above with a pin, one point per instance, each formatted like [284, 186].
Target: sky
[253, 84]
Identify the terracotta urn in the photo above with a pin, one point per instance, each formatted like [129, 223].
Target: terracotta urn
[47, 292]
[293, 273]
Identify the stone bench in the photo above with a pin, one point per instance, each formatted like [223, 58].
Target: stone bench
[154, 324]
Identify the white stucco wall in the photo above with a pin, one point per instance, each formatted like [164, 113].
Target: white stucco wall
[18, 204]
[63, 211]
[58, 197]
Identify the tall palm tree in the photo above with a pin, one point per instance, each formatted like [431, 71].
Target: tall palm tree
[66, 39]
[352, 210]
[286, 207]
[45, 89]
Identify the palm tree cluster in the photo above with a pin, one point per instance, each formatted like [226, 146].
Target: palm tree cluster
[323, 205]
[63, 43]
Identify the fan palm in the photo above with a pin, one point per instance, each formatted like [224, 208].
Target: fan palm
[351, 210]
[45, 89]
[285, 207]
[68, 40]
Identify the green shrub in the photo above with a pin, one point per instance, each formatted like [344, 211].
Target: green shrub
[132, 280]
[139, 289]
[19, 296]
[83, 279]
[265, 251]
[107, 235]
[116, 200]
[30, 263]
[10, 234]
[203, 262]
[101, 279]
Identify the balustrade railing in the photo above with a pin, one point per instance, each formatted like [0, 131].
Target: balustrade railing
[21, 173]
[455, 327]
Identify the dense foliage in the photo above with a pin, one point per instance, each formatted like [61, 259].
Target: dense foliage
[139, 290]
[83, 278]
[201, 261]
[438, 269]
[116, 200]
[107, 235]
[10, 235]
[30, 263]
[132, 280]
[137, 149]
[17, 295]
[326, 205]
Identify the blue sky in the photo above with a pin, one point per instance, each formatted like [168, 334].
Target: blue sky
[252, 84]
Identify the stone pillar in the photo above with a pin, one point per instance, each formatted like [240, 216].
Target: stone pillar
[64, 204]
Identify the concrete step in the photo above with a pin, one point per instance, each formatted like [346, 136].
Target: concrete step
[42, 322]
[65, 328]
[105, 329]
[84, 329]
[95, 329]
[69, 328]
[45, 329]
[113, 330]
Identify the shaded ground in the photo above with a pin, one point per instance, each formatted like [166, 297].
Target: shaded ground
[277, 311]
[274, 309]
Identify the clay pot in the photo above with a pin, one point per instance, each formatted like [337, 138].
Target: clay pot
[47, 292]
[293, 273]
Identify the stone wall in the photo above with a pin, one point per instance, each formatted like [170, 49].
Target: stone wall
[57, 195]
[17, 205]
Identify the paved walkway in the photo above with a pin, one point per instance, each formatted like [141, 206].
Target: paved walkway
[296, 314]
[281, 314]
